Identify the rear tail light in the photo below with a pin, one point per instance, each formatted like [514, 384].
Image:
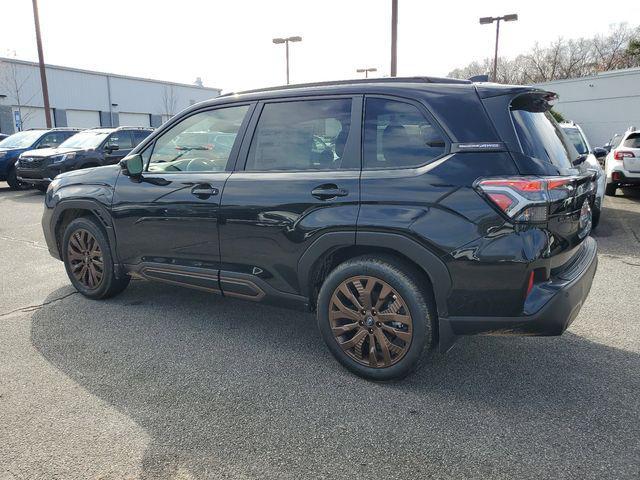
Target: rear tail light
[526, 199]
[621, 154]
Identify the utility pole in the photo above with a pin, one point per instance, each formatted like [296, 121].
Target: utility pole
[43, 73]
[394, 37]
[286, 42]
[488, 20]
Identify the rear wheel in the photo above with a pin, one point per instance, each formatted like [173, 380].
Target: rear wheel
[87, 259]
[41, 187]
[610, 189]
[376, 317]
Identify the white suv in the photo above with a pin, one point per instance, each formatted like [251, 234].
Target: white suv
[622, 164]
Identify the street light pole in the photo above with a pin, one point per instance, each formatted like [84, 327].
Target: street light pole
[366, 71]
[286, 44]
[488, 20]
[394, 37]
[43, 73]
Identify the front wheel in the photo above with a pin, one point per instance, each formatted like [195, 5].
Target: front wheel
[376, 317]
[12, 180]
[87, 259]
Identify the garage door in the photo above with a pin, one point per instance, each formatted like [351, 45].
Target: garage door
[134, 119]
[83, 118]
[32, 118]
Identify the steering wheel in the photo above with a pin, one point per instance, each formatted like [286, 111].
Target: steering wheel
[197, 164]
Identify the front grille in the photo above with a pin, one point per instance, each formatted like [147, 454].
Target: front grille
[31, 163]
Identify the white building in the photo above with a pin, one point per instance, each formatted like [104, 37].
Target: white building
[603, 105]
[83, 98]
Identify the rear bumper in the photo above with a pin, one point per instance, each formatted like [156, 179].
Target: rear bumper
[624, 178]
[564, 298]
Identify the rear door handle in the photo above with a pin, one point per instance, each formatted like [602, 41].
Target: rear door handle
[328, 191]
[204, 190]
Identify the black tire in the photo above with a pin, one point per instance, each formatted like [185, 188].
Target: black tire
[610, 190]
[595, 217]
[109, 285]
[12, 180]
[410, 285]
[41, 187]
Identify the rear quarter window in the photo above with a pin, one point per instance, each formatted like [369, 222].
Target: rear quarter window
[542, 138]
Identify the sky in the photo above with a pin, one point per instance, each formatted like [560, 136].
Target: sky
[228, 43]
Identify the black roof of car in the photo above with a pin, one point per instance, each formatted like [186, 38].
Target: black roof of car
[484, 90]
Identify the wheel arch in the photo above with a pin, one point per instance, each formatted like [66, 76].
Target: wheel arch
[333, 248]
[68, 210]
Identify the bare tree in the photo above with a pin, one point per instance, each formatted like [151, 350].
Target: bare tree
[566, 58]
[14, 83]
[169, 101]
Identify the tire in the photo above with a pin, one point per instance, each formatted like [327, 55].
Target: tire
[12, 180]
[408, 286]
[595, 217]
[610, 189]
[41, 187]
[76, 236]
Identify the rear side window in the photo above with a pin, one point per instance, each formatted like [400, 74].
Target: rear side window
[54, 139]
[541, 138]
[121, 139]
[632, 141]
[139, 136]
[398, 135]
[301, 135]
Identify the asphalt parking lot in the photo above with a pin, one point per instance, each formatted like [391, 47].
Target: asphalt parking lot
[164, 382]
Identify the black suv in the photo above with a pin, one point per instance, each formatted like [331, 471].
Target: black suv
[90, 148]
[404, 212]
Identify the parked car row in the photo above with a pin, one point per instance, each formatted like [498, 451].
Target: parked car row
[36, 157]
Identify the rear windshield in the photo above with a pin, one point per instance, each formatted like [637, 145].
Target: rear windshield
[632, 141]
[576, 138]
[541, 138]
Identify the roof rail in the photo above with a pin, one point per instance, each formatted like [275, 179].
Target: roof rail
[354, 81]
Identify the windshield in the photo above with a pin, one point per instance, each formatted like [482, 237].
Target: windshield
[541, 137]
[615, 141]
[86, 139]
[575, 137]
[21, 139]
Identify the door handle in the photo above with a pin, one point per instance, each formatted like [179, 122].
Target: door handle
[204, 190]
[329, 191]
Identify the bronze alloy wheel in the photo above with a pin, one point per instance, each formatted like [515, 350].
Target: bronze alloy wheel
[85, 259]
[370, 321]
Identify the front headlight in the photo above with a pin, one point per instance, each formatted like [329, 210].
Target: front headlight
[63, 157]
[2, 154]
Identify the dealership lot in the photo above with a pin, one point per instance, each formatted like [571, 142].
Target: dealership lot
[165, 382]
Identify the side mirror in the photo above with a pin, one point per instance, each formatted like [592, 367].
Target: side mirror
[111, 148]
[599, 153]
[579, 160]
[132, 165]
[44, 145]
